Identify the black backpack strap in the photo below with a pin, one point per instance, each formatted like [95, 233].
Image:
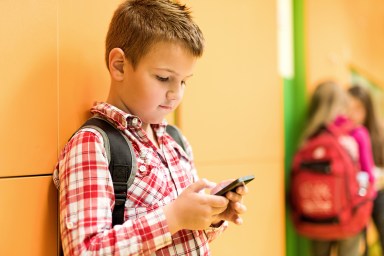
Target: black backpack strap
[122, 163]
[175, 133]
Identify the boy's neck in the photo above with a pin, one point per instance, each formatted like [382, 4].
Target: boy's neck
[151, 135]
[146, 127]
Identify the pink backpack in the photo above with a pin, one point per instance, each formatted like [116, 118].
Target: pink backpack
[326, 198]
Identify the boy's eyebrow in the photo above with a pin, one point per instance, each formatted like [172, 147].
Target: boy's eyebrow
[172, 71]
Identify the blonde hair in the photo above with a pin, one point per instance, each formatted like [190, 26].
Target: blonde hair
[138, 24]
[328, 101]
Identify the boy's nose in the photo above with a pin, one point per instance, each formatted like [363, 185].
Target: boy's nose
[175, 92]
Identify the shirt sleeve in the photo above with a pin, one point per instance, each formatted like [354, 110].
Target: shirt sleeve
[86, 203]
[363, 140]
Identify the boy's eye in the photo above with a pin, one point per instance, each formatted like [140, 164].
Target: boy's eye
[162, 79]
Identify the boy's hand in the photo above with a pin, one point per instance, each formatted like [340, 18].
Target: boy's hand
[194, 210]
[235, 206]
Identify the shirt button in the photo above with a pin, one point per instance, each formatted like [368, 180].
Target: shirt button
[134, 121]
[70, 225]
[143, 168]
[143, 153]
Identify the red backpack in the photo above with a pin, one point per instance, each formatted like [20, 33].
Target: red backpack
[326, 198]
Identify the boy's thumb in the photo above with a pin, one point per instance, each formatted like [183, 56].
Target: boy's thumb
[202, 184]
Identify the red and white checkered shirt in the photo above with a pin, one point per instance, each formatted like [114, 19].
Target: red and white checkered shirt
[87, 197]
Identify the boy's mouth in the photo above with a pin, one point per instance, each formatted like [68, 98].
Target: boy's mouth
[166, 107]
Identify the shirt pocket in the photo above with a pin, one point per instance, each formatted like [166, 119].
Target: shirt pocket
[150, 188]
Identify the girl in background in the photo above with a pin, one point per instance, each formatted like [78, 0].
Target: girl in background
[362, 112]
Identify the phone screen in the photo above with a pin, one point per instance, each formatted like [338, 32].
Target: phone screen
[236, 183]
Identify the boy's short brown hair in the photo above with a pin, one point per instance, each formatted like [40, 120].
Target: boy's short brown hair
[137, 24]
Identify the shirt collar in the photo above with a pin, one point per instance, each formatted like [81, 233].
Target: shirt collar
[121, 119]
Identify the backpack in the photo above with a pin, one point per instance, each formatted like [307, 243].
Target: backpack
[122, 160]
[326, 199]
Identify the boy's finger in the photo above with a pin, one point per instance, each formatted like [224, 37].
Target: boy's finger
[200, 185]
[238, 220]
[239, 208]
[217, 201]
[234, 197]
[218, 210]
[242, 190]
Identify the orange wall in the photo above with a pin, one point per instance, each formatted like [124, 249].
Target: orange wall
[327, 35]
[367, 38]
[28, 83]
[28, 103]
[232, 115]
[53, 70]
[340, 34]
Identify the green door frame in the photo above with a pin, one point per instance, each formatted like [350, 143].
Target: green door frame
[294, 114]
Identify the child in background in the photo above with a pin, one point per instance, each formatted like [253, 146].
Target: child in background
[358, 114]
[328, 107]
[363, 113]
[151, 50]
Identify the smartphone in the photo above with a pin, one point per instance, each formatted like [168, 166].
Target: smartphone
[235, 184]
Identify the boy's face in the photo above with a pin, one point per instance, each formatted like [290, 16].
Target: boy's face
[155, 88]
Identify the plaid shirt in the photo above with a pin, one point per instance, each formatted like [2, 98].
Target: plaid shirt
[87, 197]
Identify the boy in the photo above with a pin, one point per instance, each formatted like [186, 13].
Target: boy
[151, 50]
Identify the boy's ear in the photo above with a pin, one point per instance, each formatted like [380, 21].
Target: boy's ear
[116, 63]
